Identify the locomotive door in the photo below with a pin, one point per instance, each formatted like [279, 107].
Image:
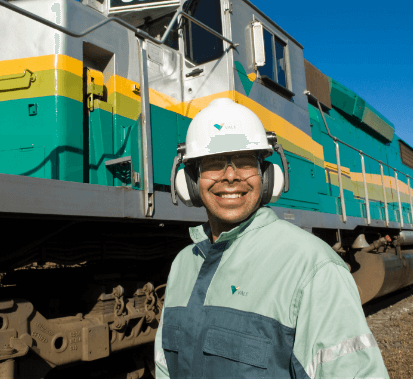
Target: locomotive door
[98, 129]
[206, 71]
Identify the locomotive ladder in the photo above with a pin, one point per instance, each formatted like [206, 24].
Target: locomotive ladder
[361, 153]
[145, 115]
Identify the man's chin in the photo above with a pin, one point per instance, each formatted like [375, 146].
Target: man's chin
[229, 217]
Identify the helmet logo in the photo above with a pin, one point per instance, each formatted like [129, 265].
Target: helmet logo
[219, 127]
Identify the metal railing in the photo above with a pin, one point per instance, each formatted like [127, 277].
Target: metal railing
[361, 153]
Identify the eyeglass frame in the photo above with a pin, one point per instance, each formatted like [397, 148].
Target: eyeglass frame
[229, 162]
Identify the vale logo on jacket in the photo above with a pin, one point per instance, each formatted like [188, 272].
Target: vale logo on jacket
[234, 289]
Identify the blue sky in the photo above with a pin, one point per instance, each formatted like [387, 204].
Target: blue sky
[365, 45]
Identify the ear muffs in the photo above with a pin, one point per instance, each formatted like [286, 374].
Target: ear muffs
[191, 179]
[182, 188]
[186, 184]
[272, 182]
[267, 181]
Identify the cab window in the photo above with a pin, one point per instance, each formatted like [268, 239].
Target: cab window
[200, 45]
[275, 67]
[156, 28]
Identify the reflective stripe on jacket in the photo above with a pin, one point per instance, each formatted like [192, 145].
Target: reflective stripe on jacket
[266, 300]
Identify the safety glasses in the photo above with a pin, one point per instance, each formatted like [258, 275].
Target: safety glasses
[244, 165]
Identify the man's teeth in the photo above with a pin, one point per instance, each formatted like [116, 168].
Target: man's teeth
[230, 196]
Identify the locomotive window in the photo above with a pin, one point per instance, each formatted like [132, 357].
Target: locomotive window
[200, 45]
[123, 3]
[273, 73]
[269, 68]
[280, 62]
[157, 28]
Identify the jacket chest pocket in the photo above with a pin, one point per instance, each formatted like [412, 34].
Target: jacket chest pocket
[170, 344]
[231, 354]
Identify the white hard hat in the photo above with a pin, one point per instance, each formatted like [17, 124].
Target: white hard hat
[225, 126]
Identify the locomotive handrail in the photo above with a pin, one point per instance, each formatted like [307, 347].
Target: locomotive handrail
[138, 32]
[336, 140]
[17, 81]
[307, 93]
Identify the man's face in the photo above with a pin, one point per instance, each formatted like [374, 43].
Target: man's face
[230, 210]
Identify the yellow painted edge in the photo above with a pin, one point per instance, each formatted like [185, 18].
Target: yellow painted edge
[42, 63]
[334, 167]
[389, 181]
[123, 86]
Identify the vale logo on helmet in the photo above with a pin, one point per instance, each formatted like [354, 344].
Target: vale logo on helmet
[221, 126]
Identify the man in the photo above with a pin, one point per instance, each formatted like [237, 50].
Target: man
[254, 296]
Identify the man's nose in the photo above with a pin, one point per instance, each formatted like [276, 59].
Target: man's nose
[230, 174]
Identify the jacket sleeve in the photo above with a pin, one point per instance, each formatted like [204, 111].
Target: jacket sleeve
[161, 369]
[332, 338]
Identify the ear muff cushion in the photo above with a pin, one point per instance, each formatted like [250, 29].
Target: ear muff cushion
[192, 184]
[268, 175]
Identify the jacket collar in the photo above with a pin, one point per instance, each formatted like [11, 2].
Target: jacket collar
[263, 216]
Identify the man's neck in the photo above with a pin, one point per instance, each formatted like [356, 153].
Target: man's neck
[217, 227]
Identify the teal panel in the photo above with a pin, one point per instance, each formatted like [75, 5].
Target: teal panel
[303, 191]
[168, 130]
[164, 143]
[183, 124]
[135, 138]
[123, 142]
[100, 147]
[342, 97]
[328, 204]
[55, 126]
[23, 160]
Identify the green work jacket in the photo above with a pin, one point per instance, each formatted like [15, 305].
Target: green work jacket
[266, 300]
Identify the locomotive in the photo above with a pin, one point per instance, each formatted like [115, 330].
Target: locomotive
[95, 97]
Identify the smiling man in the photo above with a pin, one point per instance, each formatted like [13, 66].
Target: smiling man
[254, 296]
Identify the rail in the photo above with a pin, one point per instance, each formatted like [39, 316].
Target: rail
[361, 153]
[145, 106]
